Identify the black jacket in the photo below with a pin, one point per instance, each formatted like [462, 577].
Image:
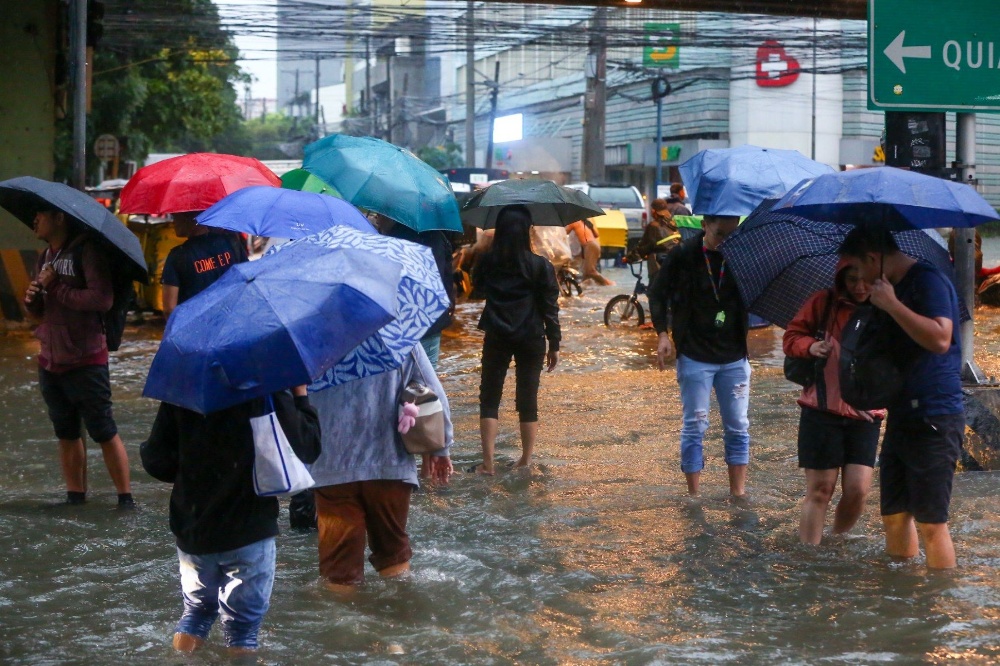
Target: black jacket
[209, 459]
[673, 290]
[519, 307]
[439, 244]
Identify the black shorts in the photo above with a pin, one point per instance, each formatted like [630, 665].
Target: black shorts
[80, 394]
[830, 441]
[919, 455]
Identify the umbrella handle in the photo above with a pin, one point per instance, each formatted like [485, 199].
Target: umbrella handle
[220, 372]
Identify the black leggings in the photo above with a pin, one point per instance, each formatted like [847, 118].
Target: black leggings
[529, 357]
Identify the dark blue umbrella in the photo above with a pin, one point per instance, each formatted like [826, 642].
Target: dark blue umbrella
[269, 324]
[778, 260]
[24, 197]
[281, 213]
[733, 181]
[887, 197]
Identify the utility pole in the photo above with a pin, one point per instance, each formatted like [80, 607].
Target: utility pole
[594, 99]
[494, 93]
[316, 105]
[369, 103]
[965, 244]
[813, 154]
[470, 83]
[78, 37]
[388, 88]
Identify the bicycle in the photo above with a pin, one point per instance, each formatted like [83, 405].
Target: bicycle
[621, 309]
[568, 279]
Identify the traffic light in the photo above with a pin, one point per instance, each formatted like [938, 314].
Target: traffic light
[95, 21]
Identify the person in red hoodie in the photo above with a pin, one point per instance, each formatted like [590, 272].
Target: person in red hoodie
[70, 294]
[834, 438]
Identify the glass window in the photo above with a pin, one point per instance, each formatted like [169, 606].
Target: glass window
[615, 197]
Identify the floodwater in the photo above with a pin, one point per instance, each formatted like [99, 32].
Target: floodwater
[593, 556]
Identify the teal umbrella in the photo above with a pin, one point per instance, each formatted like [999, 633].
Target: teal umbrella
[386, 179]
[550, 205]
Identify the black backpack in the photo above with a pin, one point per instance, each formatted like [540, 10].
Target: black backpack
[123, 300]
[870, 377]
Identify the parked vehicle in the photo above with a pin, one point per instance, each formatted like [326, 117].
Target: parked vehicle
[624, 198]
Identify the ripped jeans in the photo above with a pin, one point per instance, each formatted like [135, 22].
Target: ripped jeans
[732, 390]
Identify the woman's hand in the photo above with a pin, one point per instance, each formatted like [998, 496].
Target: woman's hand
[552, 359]
[441, 469]
[820, 349]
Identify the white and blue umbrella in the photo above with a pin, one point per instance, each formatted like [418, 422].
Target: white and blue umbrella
[420, 299]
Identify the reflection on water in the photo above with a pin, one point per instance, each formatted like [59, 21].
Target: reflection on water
[593, 556]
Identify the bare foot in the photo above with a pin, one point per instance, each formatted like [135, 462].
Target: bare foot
[481, 469]
[395, 570]
[187, 642]
[340, 589]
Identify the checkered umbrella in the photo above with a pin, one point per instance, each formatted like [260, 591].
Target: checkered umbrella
[778, 260]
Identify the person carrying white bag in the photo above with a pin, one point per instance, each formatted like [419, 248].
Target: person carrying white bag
[225, 530]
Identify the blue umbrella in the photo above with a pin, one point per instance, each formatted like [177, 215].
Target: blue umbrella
[24, 197]
[888, 198]
[733, 181]
[420, 300]
[778, 260]
[384, 178]
[269, 324]
[281, 213]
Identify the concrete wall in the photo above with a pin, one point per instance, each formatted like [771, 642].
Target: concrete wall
[27, 101]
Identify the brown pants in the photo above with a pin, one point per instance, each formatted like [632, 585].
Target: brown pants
[349, 512]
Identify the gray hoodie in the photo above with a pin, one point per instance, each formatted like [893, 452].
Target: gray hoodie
[359, 420]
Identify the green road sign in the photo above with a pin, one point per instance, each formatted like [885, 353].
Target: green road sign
[661, 45]
[929, 55]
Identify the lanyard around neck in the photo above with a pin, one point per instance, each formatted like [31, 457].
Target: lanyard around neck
[716, 288]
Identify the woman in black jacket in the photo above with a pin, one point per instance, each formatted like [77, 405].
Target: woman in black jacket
[521, 312]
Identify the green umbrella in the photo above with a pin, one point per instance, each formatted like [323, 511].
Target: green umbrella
[550, 205]
[302, 180]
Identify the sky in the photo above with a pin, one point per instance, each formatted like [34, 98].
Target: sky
[257, 54]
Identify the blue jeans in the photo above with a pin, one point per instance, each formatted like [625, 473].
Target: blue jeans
[432, 345]
[235, 584]
[731, 382]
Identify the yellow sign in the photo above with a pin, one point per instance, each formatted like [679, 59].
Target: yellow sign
[879, 155]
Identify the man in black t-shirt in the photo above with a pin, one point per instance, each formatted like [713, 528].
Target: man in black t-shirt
[695, 297]
[198, 262]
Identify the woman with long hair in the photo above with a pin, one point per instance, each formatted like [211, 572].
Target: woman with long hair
[521, 313]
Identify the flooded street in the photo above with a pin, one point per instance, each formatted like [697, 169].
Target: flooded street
[593, 556]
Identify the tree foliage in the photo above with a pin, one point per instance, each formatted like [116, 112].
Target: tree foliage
[165, 84]
[445, 156]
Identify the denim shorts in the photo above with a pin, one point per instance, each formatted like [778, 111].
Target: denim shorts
[83, 393]
[234, 585]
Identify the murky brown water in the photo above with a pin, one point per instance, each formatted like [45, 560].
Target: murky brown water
[593, 556]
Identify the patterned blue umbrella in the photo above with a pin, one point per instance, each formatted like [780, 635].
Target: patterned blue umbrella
[420, 300]
[270, 324]
[733, 181]
[778, 260]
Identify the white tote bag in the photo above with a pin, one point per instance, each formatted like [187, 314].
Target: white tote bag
[276, 468]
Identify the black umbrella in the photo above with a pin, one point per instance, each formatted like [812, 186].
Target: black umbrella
[550, 205]
[24, 197]
[778, 260]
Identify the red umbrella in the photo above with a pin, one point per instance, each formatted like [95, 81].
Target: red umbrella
[191, 183]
